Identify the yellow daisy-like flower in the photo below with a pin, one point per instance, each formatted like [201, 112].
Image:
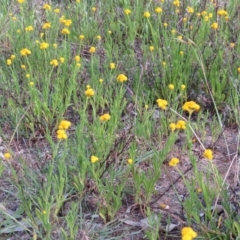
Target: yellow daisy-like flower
[173, 162]
[112, 65]
[23, 66]
[94, 159]
[162, 103]
[99, 37]
[54, 62]
[183, 87]
[188, 233]
[94, 9]
[61, 134]
[165, 24]
[130, 161]
[190, 107]
[92, 49]
[105, 117]
[151, 48]
[222, 12]
[208, 154]
[57, 10]
[65, 31]
[7, 155]
[27, 75]
[46, 25]
[44, 45]
[190, 9]
[25, 52]
[181, 124]
[31, 84]
[171, 86]
[55, 45]
[176, 3]
[81, 36]
[9, 62]
[147, 14]
[101, 80]
[158, 10]
[12, 57]
[89, 92]
[127, 11]
[77, 58]
[64, 124]
[122, 78]
[172, 126]
[214, 25]
[20, 1]
[67, 22]
[28, 28]
[47, 7]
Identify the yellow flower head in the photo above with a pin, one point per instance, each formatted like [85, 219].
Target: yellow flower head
[94, 159]
[238, 70]
[190, 107]
[173, 31]
[44, 45]
[176, 3]
[172, 126]
[61, 134]
[158, 10]
[20, 1]
[101, 80]
[171, 86]
[25, 52]
[105, 117]
[214, 25]
[55, 45]
[27, 75]
[222, 12]
[112, 65]
[9, 62]
[77, 58]
[65, 31]
[122, 78]
[127, 11]
[54, 62]
[94, 9]
[7, 155]
[183, 87]
[165, 24]
[190, 10]
[47, 7]
[57, 10]
[181, 124]
[89, 92]
[130, 161]
[162, 103]
[67, 22]
[46, 25]
[188, 233]
[81, 37]
[31, 84]
[147, 14]
[23, 66]
[151, 48]
[28, 28]
[173, 162]
[99, 37]
[64, 124]
[92, 49]
[208, 154]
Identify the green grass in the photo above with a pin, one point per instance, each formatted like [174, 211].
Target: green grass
[88, 176]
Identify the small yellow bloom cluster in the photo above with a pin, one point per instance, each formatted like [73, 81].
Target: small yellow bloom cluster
[44, 45]
[77, 59]
[162, 103]
[176, 3]
[127, 11]
[208, 154]
[92, 49]
[25, 52]
[214, 26]
[81, 36]
[190, 107]
[7, 155]
[179, 125]
[112, 65]
[47, 7]
[158, 10]
[190, 9]
[65, 31]
[28, 28]
[223, 13]
[171, 86]
[122, 78]
[89, 92]
[151, 48]
[130, 161]
[147, 14]
[105, 117]
[99, 37]
[20, 1]
[173, 162]
[54, 63]
[94, 159]
[62, 127]
[188, 233]
[46, 25]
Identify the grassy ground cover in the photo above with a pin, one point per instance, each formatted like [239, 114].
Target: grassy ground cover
[119, 119]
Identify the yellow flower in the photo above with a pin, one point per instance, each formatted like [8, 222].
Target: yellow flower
[222, 12]
[165, 24]
[183, 87]
[27, 75]
[181, 52]
[238, 70]
[127, 11]
[184, 19]
[7, 155]
[158, 10]
[92, 49]
[232, 45]
[44, 45]
[61, 134]
[25, 52]
[164, 63]
[54, 62]
[181, 124]
[94, 159]
[188, 233]
[57, 10]
[55, 45]
[81, 37]
[99, 37]
[41, 34]
[77, 58]
[46, 25]
[147, 14]
[105, 117]
[9, 62]
[122, 78]
[172, 126]
[176, 3]
[31, 84]
[78, 1]
[162, 103]
[173, 31]
[89, 92]
[47, 7]
[151, 48]
[64, 124]
[101, 80]
[61, 60]
[112, 65]
[171, 86]
[109, 32]
[203, 13]
[190, 107]
[18, 31]
[78, 65]
[94, 9]
[208, 154]
[190, 10]
[130, 161]
[173, 162]
[20, 1]
[146, 106]
[28, 28]
[214, 25]
[23, 66]
[67, 22]
[65, 31]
